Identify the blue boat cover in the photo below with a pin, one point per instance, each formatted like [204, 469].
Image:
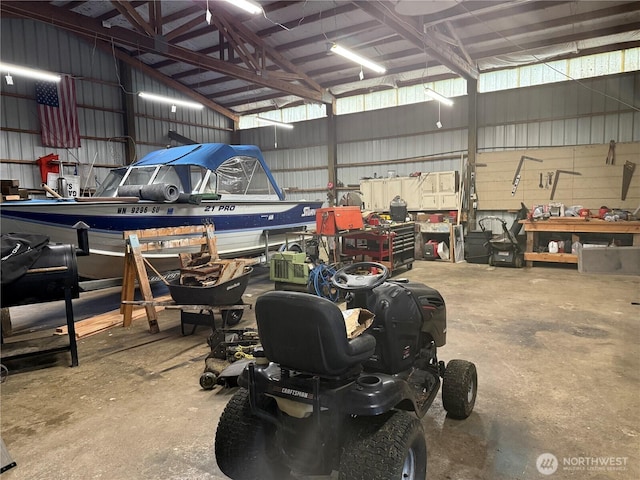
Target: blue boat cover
[207, 155]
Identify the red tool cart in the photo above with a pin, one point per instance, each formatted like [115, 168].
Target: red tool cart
[393, 244]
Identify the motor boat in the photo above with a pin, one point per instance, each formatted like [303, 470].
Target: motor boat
[230, 186]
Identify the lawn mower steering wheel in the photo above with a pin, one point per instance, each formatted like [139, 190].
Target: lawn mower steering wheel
[352, 278]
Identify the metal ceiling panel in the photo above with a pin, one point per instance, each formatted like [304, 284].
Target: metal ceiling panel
[281, 57]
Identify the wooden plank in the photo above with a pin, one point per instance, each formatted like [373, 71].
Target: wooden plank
[176, 243]
[143, 283]
[165, 232]
[206, 269]
[240, 270]
[551, 257]
[582, 226]
[212, 246]
[228, 272]
[99, 323]
[128, 287]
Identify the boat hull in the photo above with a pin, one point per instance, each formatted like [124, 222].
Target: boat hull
[242, 228]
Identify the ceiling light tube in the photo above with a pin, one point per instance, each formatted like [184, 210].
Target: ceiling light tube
[170, 101]
[354, 57]
[268, 121]
[436, 96]
[246, 5]
[29, 72]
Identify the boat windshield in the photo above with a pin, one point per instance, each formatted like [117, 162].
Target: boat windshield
[109, 186]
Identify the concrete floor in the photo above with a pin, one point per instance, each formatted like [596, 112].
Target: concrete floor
[557, 352]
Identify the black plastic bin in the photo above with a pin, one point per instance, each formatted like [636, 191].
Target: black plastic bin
[476, 248]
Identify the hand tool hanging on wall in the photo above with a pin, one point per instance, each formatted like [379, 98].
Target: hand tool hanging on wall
[627, 173]
[549, 180]
[540, 185]
[611, 155]
[516, 176]
[555, 180]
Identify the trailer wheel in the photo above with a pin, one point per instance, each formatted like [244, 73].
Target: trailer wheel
[387, 447]
[459, 388]
[244, 444]
[232, 317]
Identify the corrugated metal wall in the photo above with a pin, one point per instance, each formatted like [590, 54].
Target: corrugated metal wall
[297, 158]
[561, 114]
[374, 143]
[367, 142]
[100, 105]
[154, 120]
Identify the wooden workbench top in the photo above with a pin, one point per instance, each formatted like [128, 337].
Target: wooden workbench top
[578, 224]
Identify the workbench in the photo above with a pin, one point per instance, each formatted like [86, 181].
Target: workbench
[575, 226]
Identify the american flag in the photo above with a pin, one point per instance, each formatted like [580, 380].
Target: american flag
[58, 113]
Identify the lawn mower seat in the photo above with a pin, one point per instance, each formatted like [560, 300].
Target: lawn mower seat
[307, 333]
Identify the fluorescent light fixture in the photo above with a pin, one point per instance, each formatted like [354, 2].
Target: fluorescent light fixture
[436, 96]
[354, 57]
[274, 122]
[9, 79]
[246, 5]
[29, 72]
[170, 101]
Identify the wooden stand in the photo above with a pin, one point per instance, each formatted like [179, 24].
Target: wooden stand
[135, 266]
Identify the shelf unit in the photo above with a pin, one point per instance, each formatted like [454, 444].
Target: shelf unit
[441, 231]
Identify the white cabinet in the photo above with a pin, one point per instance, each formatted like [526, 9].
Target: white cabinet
[429, 191]
[447, 182]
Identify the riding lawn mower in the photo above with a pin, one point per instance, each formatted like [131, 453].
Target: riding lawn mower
[318, 402]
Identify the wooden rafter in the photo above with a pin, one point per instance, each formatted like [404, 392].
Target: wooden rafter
[459, 43]
[273, 55]
[189, 34]
[133, 17]
[185, 27]
[409, 29]
[90, 28]
[236, 42]
[114, 13]
[155, 15]
[169, 82]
